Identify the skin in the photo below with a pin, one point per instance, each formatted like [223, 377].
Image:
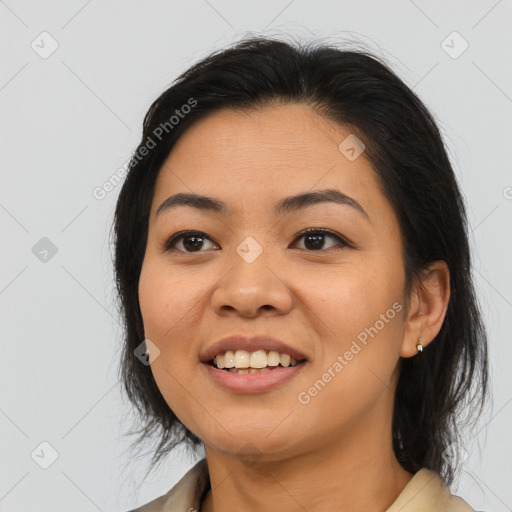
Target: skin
[334, 453]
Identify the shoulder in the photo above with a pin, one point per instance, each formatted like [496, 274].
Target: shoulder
[156, 505]
[427, 491]
[185, 496]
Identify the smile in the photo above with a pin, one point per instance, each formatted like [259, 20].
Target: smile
[252, 380]
[258, 361]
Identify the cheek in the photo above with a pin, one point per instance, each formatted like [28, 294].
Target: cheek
[149, 300]
[356, 362]
[164, 305]
[163, 300]
[351, 298]
[361, 320]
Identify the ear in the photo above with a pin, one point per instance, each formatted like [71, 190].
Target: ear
[428, 303]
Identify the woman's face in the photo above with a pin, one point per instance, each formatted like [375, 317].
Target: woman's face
[254, 273]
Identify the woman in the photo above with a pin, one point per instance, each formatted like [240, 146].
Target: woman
[293, 266]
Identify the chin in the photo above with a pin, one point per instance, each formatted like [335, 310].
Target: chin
[261, 442]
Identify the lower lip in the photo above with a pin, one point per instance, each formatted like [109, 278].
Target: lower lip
[252, 382]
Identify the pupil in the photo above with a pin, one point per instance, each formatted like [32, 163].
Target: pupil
[317, 238]
[198, 242]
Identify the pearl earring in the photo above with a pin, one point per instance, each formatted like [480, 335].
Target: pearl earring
[419, 346]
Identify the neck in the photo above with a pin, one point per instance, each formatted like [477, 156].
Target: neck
[355, 475]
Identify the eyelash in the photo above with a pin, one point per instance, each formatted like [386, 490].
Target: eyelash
[183, 234]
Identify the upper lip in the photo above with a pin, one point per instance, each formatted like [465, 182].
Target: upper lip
[250, 344]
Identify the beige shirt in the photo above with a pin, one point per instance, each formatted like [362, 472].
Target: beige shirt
[425, 492]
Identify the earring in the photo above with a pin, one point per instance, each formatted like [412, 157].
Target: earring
[419, 346]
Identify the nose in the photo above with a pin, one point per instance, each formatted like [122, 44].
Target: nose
[252, 289]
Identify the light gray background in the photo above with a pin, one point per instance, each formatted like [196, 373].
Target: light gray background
[70, 120]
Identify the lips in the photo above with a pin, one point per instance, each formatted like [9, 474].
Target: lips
[250, 344]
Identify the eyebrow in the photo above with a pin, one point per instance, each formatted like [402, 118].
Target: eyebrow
[283, 206]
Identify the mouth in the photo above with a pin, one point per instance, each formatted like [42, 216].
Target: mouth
[259, 361]
[252, 372]
[252, 364]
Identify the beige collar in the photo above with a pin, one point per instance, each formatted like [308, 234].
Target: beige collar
[425, 492]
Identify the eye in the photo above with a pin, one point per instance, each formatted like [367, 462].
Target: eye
[192, 240]
[314, 238]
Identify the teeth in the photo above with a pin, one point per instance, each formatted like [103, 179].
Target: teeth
[273, 358]
[219, 361]
[229, 359]
[248, 370]
[258, 359]
[242, 359]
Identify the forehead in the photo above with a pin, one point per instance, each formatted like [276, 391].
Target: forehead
[259, 156]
